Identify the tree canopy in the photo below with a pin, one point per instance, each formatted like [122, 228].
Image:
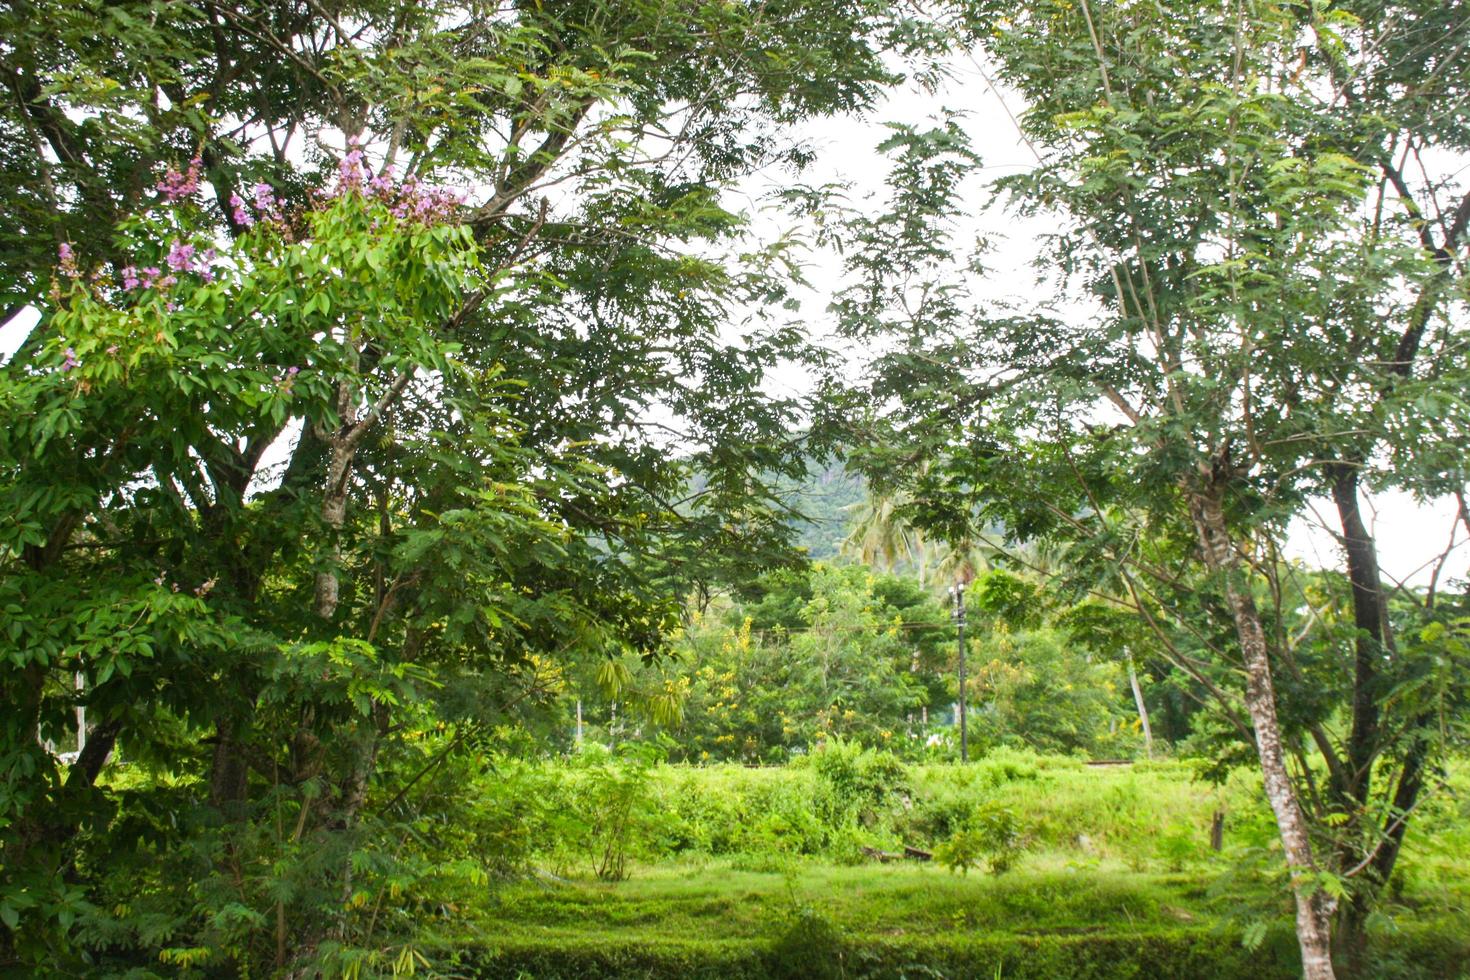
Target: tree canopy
[377, 345]
[401, 369]
[1250, 207]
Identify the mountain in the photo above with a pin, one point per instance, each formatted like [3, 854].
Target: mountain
[821, 498]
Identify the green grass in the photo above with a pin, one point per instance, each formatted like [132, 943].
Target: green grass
[701, 898]
[1118, 881]
[717, 918]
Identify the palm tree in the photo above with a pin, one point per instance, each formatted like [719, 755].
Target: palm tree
[960, 561]
[882, 535]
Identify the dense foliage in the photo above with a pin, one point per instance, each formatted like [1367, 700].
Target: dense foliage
[335, 440]
[396, 415]
[842, 652]
[749, 869]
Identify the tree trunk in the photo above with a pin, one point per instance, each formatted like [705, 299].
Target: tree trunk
[1371, 640]
[354, 793]
[228, 771]
[1352, 938]
[93, 755]
[1148, 735]
[334, 514]
[1313, 911]
[1370, 644]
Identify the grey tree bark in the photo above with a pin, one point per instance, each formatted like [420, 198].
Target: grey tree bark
[1313, 909]
[1148, 735]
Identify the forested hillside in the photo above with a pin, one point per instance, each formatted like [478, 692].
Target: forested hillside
[826, 499]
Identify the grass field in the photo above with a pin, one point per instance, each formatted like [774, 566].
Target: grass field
[720, 918]
[1115, 879]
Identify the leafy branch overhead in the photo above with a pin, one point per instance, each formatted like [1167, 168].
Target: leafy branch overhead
[377, 346]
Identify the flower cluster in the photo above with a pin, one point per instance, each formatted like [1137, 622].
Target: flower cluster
[408, 201]
[176, 186]
[68, 261]
[429, 205]
[381, 186]
[148, 277]
[349, 171]
[267, 207]
[186, 258]
[242, 217]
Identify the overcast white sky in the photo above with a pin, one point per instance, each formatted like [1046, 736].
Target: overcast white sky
[1410, 535]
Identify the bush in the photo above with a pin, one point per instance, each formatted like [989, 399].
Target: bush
[858, 784]
[610, 798]
[808, 945]
[992, 834]
[1179, 846]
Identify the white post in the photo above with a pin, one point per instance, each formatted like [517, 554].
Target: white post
[81, 717]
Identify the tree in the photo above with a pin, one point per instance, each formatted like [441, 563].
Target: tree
[1041, 688]
[855, 660]
[1112, 632]
[882, 533]
[879, 535]
[1270, 322]
[260, 245]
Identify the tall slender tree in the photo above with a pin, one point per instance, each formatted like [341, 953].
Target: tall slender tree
[1271, 322]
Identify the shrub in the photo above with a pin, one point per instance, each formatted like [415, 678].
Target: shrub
[857, 783]
[807, 946]
[701, 811]
[992, 834]
[1180, 845]
[610, 795]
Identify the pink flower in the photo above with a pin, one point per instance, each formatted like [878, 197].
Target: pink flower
[382, 184]
[112, 350]
[68, 260]
[176, 186]
[265, 198]
[130, 277]
[349, 171]
[237, 207]
[70, 362]
[181, 257]
[427, 205]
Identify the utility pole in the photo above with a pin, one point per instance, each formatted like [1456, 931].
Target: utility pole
[958, 592]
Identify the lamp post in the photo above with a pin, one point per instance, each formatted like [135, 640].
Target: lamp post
[958, 614]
